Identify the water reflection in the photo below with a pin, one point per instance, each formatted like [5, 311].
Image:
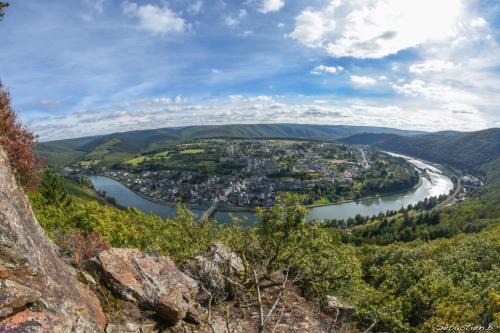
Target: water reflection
[437, 185]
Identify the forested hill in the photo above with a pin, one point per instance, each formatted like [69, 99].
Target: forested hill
[63, 151]
[466, 151]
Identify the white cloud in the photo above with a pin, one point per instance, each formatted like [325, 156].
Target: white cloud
[280, 25]
[246, 33]
[95, 5]
[93, 8]
[179, 99]
[49, 103]
[312, 27]
[162, 101]
[435, 92]
[215, 71]
[195, 7]
[268, 6]
[164, 111]
[478, 22]
[461, 108]
[232, 21]
[158, 20]
[376, 28]
[431, 66]
[363, 80]
[326, 69]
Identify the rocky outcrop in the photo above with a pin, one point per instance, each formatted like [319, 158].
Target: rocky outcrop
[213, 268]
[335, 307]
[339, 311]
[132, 327]
[38, 292]
[152, 282]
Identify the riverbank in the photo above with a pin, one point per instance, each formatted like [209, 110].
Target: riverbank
[226, 208]
[437, 185]
[388, 194]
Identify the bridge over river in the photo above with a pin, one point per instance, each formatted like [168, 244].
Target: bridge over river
[210, 211]
[437, 184]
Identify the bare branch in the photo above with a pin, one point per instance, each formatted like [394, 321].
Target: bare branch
[259, 302]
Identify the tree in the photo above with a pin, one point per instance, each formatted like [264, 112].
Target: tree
[53, 190]
[2, 6]
[17, 141]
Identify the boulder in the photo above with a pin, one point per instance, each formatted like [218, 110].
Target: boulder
[213, 268]
[132, 327]
[38, 292]
[152, 282]
[334, 306]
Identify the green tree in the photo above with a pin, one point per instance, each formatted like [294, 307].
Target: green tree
[53, 190]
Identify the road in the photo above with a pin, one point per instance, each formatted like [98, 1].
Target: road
[208, 213]
[365, 161]
[451, 198]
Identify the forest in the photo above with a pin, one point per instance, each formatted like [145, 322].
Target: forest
[408, 271]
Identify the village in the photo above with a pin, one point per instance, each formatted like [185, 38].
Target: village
[249, 173]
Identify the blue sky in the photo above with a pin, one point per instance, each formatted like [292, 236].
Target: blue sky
[85, 67]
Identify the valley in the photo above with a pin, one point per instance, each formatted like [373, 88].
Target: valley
[250, 173]
[251, 166]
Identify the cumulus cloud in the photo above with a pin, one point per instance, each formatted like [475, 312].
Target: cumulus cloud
[461, 108]
[155, 19]
[434, 91]
[478, 22]
[195, 7]
[232, 21]
[268, 6]
[312, 27]
[177, 111]
[431, 66]
[363, 80]
[376, 28]
[326, 69]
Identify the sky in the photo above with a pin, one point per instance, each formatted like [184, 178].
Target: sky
[86, 67]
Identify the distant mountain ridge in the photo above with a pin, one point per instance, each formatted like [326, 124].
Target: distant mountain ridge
[64, 151]
[466, 151]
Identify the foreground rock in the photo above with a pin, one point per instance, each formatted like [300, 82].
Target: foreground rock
[335, 307]
[38, 293]
[153, 282]
[213, 268]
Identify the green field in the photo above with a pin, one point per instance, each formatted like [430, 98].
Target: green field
[140, 159]
[64, 152]
[89, 163]
[136, 161]
[192, 151]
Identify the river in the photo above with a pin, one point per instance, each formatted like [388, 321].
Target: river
[437, 185]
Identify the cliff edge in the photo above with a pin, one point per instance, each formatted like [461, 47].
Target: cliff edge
[38, 292]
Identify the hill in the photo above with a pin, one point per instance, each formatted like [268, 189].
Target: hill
[118, 145]
[465, 151]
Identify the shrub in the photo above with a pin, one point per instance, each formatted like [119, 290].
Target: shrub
[18, 141]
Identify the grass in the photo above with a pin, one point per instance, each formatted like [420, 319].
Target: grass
[192, 151]
[321, 201]
[139, 159]
[163, 154]
[136, 161]
[103, 149]
[89, 163]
